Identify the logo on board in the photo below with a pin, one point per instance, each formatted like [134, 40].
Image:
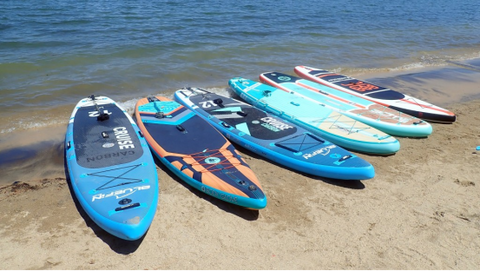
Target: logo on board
[273, 124]
[284, 78]
[95, 114]
[212, 160]
[322, 151]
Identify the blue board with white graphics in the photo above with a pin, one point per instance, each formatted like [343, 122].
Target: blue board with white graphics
[274, 138]
[111, 168]
[319, 120]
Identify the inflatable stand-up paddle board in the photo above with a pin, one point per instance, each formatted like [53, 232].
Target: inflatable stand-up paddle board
[317, 119]
[111, 168]
[383, 118]
[381, 95]
[197, 153]
[273, 138]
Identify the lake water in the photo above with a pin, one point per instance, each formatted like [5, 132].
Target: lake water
[55, 52]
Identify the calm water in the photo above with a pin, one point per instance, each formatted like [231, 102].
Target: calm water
[53, 53]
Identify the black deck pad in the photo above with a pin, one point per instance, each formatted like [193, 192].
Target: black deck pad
[300, 143]
[386, 95]
[104, 143]
[197, 135]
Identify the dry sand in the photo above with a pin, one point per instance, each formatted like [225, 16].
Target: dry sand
[421, 211]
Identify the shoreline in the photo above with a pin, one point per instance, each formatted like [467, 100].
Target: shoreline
[420, 211]
[27, 150]
[438, 84]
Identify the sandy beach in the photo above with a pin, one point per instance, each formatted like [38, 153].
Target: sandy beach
[421, 211]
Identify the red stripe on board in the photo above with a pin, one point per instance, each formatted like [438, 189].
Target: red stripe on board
[328, 74]
[378, 100]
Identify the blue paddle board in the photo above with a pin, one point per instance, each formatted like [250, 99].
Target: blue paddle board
[111, 168]
[319, 120]
[197, 153]
[273, 138]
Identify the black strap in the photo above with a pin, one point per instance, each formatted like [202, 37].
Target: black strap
[101, 115]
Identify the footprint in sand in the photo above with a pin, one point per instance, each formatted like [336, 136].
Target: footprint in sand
[464, 183]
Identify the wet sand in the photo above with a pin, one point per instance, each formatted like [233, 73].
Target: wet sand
[421, 211]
